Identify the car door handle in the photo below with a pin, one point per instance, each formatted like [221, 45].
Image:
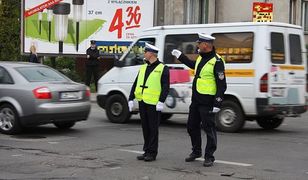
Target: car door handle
[291, 73]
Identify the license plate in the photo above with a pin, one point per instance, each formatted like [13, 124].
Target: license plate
[70, 95]
[278, 92]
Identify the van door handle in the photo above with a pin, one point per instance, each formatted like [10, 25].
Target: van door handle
[291, 73]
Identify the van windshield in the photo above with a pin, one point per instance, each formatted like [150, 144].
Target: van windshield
[135, 54]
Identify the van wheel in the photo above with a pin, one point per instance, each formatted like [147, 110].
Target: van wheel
[165, 116]
[64, 125]
[230, 118]
[117, 109]
[9, 120]
[270, 122]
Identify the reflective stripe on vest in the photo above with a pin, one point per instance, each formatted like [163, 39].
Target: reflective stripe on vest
[206, 83]
[152, 88]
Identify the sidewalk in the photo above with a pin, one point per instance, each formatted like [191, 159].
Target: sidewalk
[93, 97]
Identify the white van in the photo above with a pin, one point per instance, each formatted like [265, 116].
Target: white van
[266, 69]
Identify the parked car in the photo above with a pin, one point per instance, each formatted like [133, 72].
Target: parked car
[34, 94]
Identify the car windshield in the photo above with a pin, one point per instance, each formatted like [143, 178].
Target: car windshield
[136, 54]
[41, 74]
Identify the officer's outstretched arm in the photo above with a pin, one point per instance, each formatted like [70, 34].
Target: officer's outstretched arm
[184, 59]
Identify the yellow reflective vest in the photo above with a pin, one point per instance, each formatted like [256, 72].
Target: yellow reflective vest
[206, 83]
[152, 89]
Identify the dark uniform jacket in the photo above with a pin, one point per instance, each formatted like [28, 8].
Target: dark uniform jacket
[94, 54]
[33, 58]
[220, 79]
[164, 81]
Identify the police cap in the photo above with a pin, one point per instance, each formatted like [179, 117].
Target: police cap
[205, 38]
[151, 48]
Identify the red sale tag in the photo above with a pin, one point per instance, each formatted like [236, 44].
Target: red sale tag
[134, 16]
[133, 21]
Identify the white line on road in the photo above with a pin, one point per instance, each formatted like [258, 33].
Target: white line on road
[53, 142]
[132, 151]
[228, 162]
[199, 159]
[17, 155]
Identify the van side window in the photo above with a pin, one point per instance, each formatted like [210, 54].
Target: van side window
[295, 49]
[5, 78]
[235, 47]
[277, 46]
[136, 54]
[183, 42]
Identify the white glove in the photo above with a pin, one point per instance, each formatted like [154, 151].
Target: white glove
[130, 105]
[216, 110]
[159, 106]
[176, 53]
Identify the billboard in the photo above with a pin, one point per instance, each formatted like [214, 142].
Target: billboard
[262, 12]
[66, 27]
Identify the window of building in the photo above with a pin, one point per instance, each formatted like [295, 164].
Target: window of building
[277, 48]
[136, 53]
[235, 47]
[305, 15]
[185, 43]
[292, 11]
[295, 49]
[196, 11]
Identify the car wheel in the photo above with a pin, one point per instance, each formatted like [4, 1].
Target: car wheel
[9, 120]
[230, 118]
[270, 122]
[165, 116]
[117, 109]
[64, 125]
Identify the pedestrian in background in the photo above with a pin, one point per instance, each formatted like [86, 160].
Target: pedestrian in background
[33, 56]
[150, 88]
[208, 89]
[92, 64]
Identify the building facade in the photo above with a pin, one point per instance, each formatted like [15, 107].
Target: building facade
[171, 12]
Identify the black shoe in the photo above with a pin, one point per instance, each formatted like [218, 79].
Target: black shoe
[149, 158]
[207, 162]
[192, 157]
[141, 157]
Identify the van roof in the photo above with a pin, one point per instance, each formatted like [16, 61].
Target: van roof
[214, 25]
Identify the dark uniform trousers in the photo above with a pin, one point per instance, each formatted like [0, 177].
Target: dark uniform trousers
[150, 120]
[92, 70]
[201, 114]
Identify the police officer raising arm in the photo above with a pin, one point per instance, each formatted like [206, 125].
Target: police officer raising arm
[150, 88]
[92, 64]
[208, 89]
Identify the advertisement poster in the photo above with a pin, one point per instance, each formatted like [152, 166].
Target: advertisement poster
[66, 27]
[262, 12]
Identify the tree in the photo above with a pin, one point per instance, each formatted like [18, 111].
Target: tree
[10, 30]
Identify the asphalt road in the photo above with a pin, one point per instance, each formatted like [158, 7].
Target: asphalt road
[98, 149]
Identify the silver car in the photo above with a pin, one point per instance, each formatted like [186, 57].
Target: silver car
[34, 94]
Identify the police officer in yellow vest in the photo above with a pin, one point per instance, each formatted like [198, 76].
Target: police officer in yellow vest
[208, 89]
[150, 88]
